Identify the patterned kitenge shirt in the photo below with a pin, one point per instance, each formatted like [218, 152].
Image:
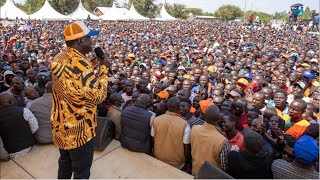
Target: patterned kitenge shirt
[76, 91]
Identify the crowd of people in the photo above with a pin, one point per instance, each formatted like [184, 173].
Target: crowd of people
[244, 99]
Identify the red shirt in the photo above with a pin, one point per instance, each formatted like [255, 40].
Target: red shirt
[242, 120]
[236, 143]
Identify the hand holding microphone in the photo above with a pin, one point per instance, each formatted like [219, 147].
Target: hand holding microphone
[102, 57]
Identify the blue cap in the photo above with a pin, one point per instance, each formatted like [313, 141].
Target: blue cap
[308, 75]
[248, 75]
[306, 150]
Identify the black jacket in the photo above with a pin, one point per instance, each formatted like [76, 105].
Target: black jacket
[242, 165]
[14, 129]
[135, 129]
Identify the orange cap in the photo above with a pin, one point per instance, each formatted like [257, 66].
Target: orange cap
[77, 30]
[204, 104]
[163, 94]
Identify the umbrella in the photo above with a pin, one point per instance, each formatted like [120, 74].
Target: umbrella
[297, 5]
[23, 27]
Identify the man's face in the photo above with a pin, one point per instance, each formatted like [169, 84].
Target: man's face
[227, 125]
[280, 99]
[295, 110]
[129, 88]
[86, 43]
[18, 84]
[183, 95]
[184, 108]
[282, 79]
[258, 101]
[297, 90]
[203, 80]
[197, 72]
[143, 85]
[186, 85]
[227, 106]
[196, 101]
[300, 71]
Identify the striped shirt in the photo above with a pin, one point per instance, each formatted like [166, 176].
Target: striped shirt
[282, 169]
[76, 91]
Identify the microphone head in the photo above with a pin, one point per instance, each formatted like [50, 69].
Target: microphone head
[99, 53]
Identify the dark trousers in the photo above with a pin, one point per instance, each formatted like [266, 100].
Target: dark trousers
[77, 160]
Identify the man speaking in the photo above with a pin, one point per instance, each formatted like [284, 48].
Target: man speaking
[76, 91]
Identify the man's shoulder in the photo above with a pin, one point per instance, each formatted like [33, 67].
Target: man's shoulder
[280, 163]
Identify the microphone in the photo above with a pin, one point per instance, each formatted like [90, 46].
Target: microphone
[99, 53]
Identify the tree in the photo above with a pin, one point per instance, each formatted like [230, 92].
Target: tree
[307, 14]
[177, 10]
[2, 2]
[194, 11]
[228, 12]
[264, 17]
[146, 8]
[90, 5]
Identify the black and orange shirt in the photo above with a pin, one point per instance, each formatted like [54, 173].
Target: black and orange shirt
[76, 91]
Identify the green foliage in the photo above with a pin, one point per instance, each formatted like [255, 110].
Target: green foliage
[228, 12]
[281, 15]
[146, 8]
[62, 6]
[264, 17]
[2, 2]
[194, 11]
[177, 10]
[307, 14]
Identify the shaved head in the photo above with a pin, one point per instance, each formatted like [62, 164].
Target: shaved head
[6, 98]
[212, 114]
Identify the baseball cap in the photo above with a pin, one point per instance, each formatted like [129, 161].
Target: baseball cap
[204, 104]
[181, 68]
[308, 75]
[77, 30]
[314, 60]
[234, 94]
[306, 150]
[300, 84]
[248, 75]
[242, 82]
[253, 141]
[8, 73]
[163, 94]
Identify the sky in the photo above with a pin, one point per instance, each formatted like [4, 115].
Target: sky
[268, 6]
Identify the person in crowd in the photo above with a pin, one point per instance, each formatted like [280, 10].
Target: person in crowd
[17, 90]
[185, 106]
[241, 112]
[258, 101]
[79, 91]
[41, 108]
[306, 152]
[136, 122]
[234, 137]
[31, 95]
[172, 137]
[114, 112]
[127, 95]
[17, 126]
[31, 81]
[247, 164]
[296, 125]
[42, 79]
[7, 83]
[208, 143]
